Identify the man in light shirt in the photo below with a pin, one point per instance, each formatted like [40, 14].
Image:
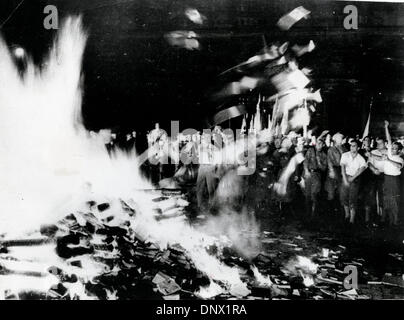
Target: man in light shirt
[352, 166]
[393, 164]
[378, 154]
[376, 166]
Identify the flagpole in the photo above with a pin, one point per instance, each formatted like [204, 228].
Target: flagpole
[367, 126]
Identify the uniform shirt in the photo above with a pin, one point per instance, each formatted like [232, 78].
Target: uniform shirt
[389, 168]
[316, 160]
[334, 156]
[352, 165]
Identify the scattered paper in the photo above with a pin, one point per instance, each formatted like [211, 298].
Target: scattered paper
[288, 20]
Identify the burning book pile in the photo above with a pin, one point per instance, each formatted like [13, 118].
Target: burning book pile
[99, 254]
[94, 255]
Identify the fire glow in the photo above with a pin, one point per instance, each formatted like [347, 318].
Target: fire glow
[52, 166]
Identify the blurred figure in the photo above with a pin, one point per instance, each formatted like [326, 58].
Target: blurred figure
[314, 164]
[256, 191]
[230, 189]
[352, 166]
[293, 138]
[334, 178]
[217, 137]
[281, 159]
[157, 141]
[185, 172]
[156, 134]
[108, 139]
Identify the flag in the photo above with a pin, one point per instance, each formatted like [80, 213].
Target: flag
[244, 124]
[257, 119]
[285, 120]
[366, 131]
[252, 124]
[269, 122]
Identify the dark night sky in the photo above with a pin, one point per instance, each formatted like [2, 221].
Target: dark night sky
[134, 78]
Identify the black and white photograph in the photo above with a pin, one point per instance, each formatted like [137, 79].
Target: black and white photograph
[202, 150]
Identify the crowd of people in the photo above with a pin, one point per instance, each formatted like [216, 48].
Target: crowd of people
[339, 175]
[346, 176]
[369, 170]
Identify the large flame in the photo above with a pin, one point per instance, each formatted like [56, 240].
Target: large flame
[47, 156]
[50, 165]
